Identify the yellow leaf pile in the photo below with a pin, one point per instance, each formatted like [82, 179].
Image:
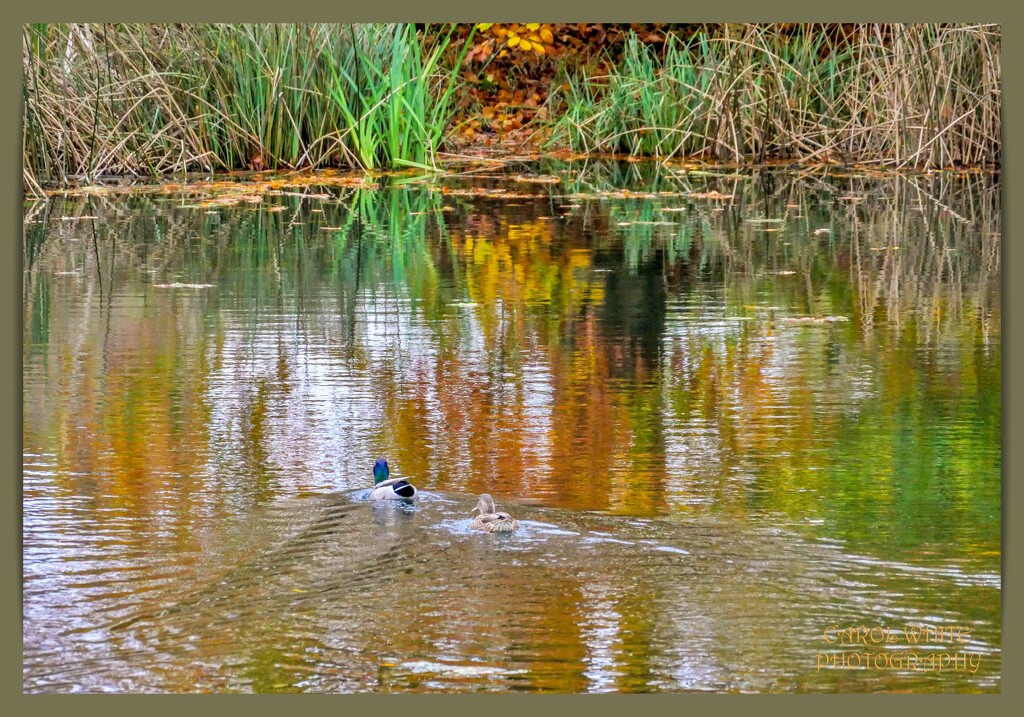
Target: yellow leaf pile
[534, 37]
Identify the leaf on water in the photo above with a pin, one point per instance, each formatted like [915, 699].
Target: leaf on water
[538, 179]
[493, 193]
[303, 195]
[622, 194]
[709, 195]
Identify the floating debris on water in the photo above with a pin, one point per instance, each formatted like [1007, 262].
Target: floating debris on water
[709, 195]
[540, 179]
[813, 320]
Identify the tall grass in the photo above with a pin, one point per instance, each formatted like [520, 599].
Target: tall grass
[920, 95]
[153, 99]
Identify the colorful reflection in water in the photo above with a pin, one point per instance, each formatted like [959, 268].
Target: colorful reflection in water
[732, 409]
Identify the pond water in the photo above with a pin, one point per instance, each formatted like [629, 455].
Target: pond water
[737, 412]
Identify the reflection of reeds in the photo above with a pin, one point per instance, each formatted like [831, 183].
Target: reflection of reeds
[321, 254]
[927, 262]
[917, 94]
[924, 246]
[919, 249]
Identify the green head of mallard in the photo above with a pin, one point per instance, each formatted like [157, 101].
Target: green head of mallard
[389, 487]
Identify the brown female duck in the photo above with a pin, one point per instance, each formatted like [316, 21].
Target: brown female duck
[490, 519]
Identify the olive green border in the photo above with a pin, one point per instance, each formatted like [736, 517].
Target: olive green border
[464, 10]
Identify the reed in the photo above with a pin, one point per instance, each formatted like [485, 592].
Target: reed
[898, 95]
[155, 99]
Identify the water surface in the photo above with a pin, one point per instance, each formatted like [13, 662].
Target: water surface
[733, 409]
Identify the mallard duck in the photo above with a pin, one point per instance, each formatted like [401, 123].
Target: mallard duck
[491, 520]
[385, 487]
